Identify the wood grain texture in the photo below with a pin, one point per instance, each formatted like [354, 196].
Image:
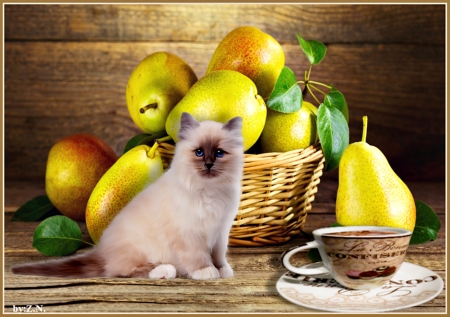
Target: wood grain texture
[257, 294]
[56, 89]
[66, 68]
[330, 23]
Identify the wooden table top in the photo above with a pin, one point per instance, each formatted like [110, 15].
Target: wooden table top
[252, 289]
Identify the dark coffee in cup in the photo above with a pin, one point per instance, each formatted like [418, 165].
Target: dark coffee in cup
[363, 233]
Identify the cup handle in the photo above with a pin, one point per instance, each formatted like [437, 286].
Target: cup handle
[304, 271]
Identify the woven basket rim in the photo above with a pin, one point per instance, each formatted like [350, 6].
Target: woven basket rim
[250, 157]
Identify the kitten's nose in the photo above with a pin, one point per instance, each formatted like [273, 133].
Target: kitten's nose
[209, 165]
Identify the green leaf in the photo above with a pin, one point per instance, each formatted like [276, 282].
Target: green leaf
[35, 209]
[333, 134]
[314, 255]
[57, 236]
[315, 51]
[336, 99]
[286, 96]
[427, 224]
[143, 138]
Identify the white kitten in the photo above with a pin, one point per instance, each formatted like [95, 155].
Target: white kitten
[177, 226]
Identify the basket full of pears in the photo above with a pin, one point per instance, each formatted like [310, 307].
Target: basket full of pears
[288, 141]
[288, 144]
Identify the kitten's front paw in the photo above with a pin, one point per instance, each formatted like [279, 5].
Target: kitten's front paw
[226, 271]
[207, 273]
[163, 271]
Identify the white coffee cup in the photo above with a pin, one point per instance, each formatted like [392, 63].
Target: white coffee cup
[358, 257]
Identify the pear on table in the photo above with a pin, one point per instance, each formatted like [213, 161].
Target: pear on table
[370, 192]
[133, 171]
[74, 166]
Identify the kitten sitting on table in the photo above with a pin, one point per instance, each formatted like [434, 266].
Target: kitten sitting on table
[179, 225]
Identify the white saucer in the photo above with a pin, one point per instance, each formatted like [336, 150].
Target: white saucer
[412, 285]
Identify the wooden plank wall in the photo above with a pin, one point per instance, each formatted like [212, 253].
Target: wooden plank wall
[66, 68]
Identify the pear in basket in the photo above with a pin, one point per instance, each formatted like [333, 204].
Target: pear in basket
[155, 86]
[253, 53]
[220, 96]
[290, 131]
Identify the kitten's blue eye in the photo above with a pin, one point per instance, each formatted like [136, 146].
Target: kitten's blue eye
[220, 153]
[199, 152]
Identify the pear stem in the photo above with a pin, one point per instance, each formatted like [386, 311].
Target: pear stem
[304, 90]
[312, 94]
[322, 84]
[150, 106]
[364, 135]
[151, 153]
[309, 72]
[323, 93]
[164, 139]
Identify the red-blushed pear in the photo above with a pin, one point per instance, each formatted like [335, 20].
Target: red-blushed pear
[369, 191]
[135, 170]
[74, 166]
[155, 86]
[253, 53]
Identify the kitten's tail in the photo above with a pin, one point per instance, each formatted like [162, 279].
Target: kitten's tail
[88, 264]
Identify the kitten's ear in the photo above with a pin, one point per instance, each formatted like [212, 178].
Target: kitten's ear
[187, 122]
[234, 124]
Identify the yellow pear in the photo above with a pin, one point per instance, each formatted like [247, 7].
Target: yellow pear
[369, 192]
[253, 53]
[220, 96]
[155, 86]
[74, 166]
[290, 131]
[133, 171]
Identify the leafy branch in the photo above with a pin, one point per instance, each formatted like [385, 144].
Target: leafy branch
[332, 119]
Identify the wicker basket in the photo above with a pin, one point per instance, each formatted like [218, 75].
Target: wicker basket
[277, 191]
